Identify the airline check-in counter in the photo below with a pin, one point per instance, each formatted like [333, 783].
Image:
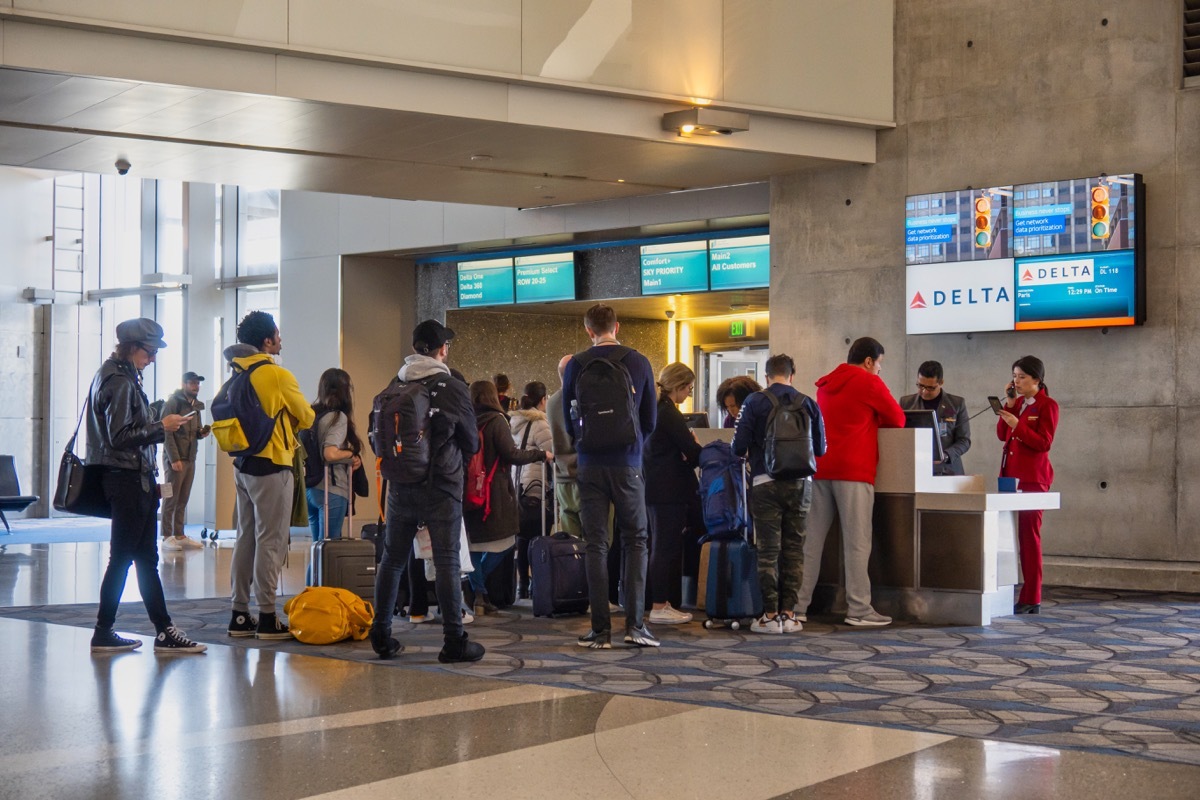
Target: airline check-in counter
[944, 549]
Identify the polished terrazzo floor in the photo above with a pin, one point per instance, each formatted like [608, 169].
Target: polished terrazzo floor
[248, 722]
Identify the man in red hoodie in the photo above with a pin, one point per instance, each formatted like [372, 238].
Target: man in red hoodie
[855, 404]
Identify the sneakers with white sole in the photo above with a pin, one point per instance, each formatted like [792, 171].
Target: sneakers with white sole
[105, 640]
[172, 543]
[872, 620]
[188, 541]
[766, 624]
[173, 640]
[669, 616]
[790, 624]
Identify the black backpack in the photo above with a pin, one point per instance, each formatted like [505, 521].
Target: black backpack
[399, 432]
[788, 445]
[314, 456]
[606, 414]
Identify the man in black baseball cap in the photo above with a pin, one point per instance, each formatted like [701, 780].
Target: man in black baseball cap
[430, 336]
[426, 487]
[179, 461]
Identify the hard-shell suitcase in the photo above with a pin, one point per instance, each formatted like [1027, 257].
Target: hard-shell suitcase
[558, 570]
[732, 592]
[344, 563]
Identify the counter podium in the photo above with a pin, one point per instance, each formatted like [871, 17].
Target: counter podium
[944, 548]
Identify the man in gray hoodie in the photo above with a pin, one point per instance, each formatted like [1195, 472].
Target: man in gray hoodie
[435, 501]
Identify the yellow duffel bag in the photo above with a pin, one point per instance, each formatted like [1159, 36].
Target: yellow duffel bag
[324, 615]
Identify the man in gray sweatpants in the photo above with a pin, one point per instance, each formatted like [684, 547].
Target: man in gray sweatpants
[264, 480]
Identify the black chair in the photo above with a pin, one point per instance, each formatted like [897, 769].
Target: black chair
[11, 498]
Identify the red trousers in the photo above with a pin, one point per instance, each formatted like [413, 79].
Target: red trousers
[1029, 538]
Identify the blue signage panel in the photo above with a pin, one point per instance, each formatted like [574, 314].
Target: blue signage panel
[933, 229]
[545, 278]
[1041, 220]
[675, 268]
[743, 263]
[485, 283]
[1076, 290]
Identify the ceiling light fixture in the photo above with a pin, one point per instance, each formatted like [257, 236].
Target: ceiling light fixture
[705, 122]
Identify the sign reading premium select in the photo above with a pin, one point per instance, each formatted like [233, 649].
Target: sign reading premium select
[485, 283]
[675, 268]
[742, 263]
[545, 278]
[1059, 254]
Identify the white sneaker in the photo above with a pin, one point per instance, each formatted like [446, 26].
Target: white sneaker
[172, 543]
[669, 616]
[187, 541]
[801, 617]
[468, 617]
[766, 624]
[790, 624]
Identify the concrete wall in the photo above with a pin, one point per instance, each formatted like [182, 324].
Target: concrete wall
[997, 93]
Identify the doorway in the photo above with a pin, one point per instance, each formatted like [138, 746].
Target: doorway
[717, 363]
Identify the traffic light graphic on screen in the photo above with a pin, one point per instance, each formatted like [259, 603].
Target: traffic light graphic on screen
[1101, 224]
[983, 222]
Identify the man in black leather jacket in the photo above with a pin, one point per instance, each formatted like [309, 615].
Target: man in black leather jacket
[121, 434]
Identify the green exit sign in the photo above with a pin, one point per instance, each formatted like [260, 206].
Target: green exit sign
[737, 327]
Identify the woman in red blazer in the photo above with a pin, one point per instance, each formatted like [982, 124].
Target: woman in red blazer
[1026, 426]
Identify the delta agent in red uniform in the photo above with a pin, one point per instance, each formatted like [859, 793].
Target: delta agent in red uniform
[1026, 426]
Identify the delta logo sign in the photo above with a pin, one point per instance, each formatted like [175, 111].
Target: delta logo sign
[960, 296]
[1051, 273]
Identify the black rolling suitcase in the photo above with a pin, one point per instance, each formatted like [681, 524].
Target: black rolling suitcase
[558, 569]
[344, 563]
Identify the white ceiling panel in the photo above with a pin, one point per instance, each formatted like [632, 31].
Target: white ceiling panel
[79, 123]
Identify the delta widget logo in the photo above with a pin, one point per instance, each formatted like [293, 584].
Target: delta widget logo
[979, 295]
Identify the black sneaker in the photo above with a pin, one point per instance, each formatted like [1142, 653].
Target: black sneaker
[460, 651]
[271, 627]
[641, 636]
[596, 640]
[384, 644]
[105, 640]
[173, 640]
[242, 624]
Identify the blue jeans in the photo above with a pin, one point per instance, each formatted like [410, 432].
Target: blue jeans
[338, 506]
[485, 564]
[408, 505]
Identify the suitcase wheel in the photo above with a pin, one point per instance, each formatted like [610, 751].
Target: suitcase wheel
[735, 624]
[708, 624]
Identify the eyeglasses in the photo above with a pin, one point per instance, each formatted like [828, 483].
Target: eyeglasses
[150, 351]
[923, 388]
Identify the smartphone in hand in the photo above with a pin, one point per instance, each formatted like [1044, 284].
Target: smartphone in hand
[189, 414]
[995, 404]
[1011, 391]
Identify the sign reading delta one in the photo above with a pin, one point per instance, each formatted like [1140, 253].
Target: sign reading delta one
[970, 296]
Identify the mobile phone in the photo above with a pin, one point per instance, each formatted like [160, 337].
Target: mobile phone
[1011, 391]
[995, 403]
[189, 414]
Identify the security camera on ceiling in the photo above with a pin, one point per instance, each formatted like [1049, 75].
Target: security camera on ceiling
[123, 166]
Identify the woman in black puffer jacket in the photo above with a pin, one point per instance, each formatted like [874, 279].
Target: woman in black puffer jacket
[492, 530]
